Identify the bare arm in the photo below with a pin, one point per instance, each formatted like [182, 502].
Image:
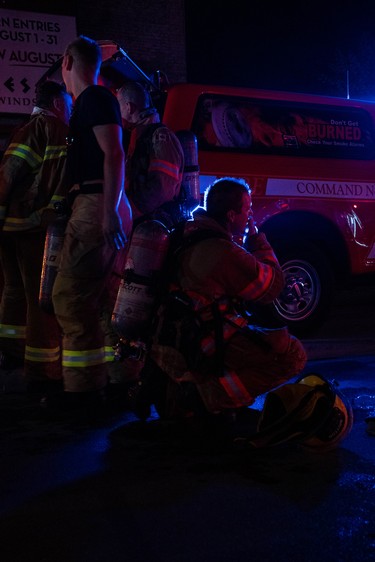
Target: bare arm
[115, 230]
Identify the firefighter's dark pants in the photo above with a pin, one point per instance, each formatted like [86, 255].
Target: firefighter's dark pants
[26, 331]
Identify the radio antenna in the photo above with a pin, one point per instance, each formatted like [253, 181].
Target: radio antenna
[347, 85]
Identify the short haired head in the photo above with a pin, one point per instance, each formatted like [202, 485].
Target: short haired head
[86, 52]
[136, 94]
[223, 195]
[47, 92]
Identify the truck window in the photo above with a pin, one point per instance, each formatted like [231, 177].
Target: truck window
[261, 126]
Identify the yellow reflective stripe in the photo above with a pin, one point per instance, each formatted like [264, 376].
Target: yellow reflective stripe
[57, 198]
[42, 354]
[2, 212]
[109, 353]
[54, 199]
[13, 332]
[26, 153]
[55, 152]
[31, 157]
[86, 358]
[13, 224]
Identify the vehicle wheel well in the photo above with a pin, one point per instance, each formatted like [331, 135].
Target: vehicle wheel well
[311, 227]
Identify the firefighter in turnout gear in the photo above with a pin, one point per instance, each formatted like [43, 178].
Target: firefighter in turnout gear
[153, 179]
[154, 159]
[32, 179]
[214, 341]
[97, 229]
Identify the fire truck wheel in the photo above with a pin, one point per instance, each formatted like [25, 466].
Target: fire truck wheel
[309, 284]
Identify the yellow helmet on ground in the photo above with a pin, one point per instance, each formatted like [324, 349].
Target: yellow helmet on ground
[310, 411]
[339, 421]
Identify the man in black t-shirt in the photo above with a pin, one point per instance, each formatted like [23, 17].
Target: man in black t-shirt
[98, 227]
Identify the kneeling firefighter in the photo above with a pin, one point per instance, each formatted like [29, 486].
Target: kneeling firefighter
[206, 354]
[214, 342]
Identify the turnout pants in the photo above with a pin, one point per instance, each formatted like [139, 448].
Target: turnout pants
[82, 299]
[27, 333]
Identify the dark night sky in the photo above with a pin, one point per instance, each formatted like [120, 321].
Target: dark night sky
[298, 45]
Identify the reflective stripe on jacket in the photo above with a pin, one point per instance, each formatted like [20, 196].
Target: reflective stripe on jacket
[154, 167]
[32, 172]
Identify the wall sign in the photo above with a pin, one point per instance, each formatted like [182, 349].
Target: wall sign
[29, 44]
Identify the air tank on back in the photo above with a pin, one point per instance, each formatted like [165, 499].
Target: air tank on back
[51, 257]
[136, 297]
[190, 181]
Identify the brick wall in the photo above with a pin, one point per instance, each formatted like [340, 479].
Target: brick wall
[152, 32]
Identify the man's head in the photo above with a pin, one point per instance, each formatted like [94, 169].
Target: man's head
[53, 96]
[81, 64]
[228, 201]
[135, 103]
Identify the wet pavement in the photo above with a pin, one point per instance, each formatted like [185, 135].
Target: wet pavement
[180, 492]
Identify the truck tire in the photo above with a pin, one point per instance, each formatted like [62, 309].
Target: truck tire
[309, 286]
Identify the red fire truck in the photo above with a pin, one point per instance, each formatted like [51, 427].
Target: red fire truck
[310, 161]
